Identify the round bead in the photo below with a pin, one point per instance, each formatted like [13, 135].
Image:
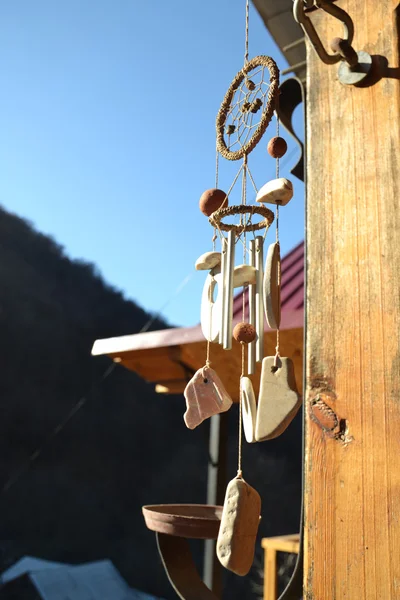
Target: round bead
[212, 200]
[244, 332]
[277, 147]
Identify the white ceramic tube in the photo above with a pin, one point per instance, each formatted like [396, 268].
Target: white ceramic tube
[259, 298]
[228, 284]
[224, 250]
[251, 354]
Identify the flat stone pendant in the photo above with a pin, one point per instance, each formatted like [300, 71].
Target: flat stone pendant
[205, 396]
[278, 400]
[239, 525]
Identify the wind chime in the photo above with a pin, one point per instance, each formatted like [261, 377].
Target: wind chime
[242, 120]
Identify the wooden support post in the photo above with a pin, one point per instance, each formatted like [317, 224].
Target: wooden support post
[352, 470]
[270, 574]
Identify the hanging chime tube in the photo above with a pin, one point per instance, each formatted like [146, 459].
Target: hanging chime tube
[224, 251]
[228, 285]
[259, 262]
[252, 312]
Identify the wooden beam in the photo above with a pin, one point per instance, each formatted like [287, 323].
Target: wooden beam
[352, 471]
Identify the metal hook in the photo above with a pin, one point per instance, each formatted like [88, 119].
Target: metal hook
[304, 21]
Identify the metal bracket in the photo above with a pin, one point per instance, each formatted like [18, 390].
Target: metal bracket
[354, 66]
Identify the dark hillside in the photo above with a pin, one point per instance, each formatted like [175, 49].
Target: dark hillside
[81, 499]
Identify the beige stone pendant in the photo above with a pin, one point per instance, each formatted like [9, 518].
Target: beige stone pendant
[239, 526]
[272, 286]
[205, 396]
[249, 409]
[208, 261]
[278, 191]
[244, 275]
[278, 400]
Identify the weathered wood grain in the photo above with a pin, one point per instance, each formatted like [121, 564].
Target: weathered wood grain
[352, 478]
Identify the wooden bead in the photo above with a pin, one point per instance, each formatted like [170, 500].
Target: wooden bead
[277, 147]
[212, 200]
[244, 332]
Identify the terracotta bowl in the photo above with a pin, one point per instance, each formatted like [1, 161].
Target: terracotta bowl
[200, 521]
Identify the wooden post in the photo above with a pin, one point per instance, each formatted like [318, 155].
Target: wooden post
[352, 476]
[270, 574]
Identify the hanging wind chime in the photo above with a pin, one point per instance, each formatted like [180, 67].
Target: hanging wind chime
[242, 120]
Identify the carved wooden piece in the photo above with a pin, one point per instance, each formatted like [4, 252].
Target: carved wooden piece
[278, 400]
[208, 261]
[205, 396]
[239, 525]
[249, 409]
[211, 311]
[228, 291]
[251, 353]
[259, 260]
[272, 286]
[278, 191]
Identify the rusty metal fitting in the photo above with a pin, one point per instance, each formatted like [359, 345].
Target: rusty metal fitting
[346, 51]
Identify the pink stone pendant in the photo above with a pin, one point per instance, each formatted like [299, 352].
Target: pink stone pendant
[205, 396]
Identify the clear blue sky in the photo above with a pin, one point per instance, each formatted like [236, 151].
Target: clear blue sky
[107, 120]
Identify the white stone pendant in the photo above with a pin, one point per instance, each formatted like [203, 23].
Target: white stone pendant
[244, 275]
[278, 191]
[278, 401]
[272, 286]
[208, 261]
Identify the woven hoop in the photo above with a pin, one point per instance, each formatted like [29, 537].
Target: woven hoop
[216, 218]
[273, 92]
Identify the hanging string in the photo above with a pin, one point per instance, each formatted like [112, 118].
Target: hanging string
[214, 238]
[239, 471]
[251, 179]
[246, 51]
[244, 202]
[277, 241]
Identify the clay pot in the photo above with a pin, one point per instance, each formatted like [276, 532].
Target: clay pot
[200, 521]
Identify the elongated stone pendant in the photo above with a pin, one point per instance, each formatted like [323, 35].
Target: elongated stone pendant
[239, 526]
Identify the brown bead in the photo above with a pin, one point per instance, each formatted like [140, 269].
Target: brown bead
[212, 200]
[277, 147]
[244, 332]
[250, 84]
